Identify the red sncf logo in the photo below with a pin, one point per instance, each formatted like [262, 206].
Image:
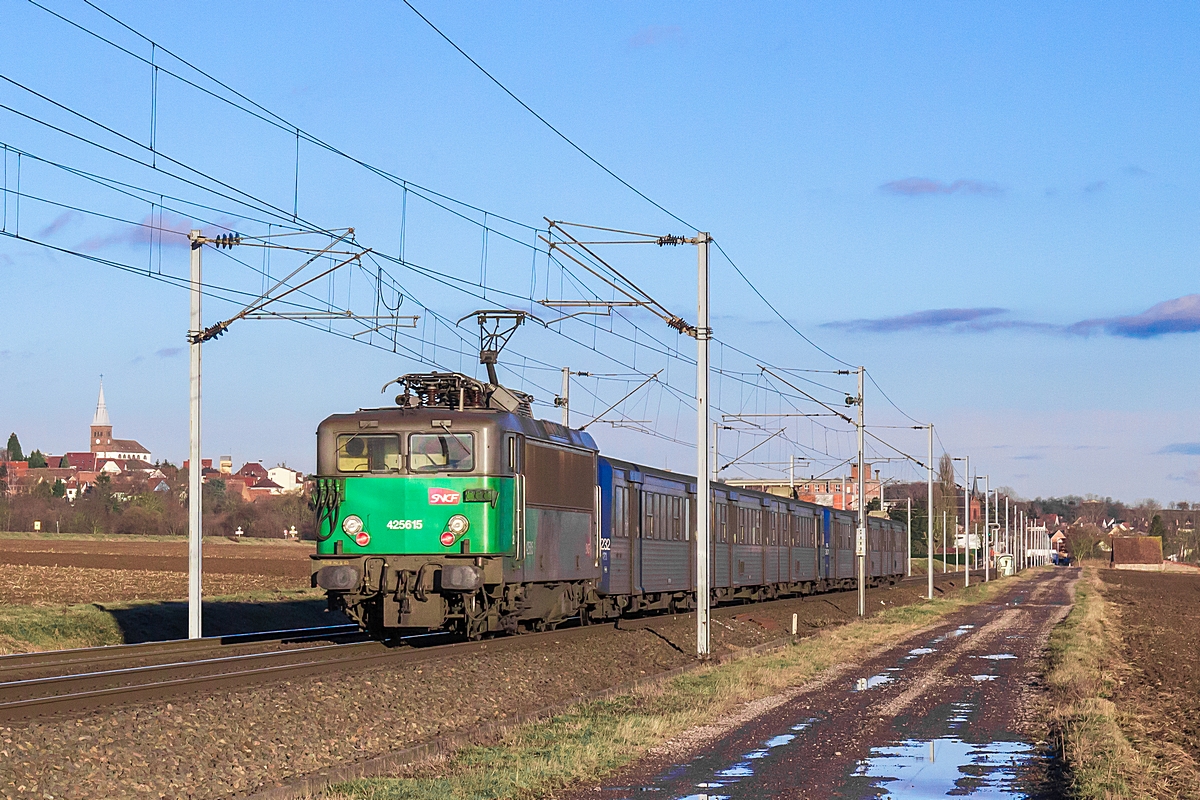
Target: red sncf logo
[444, 497]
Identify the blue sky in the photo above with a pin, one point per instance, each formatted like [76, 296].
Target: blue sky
[992, 208]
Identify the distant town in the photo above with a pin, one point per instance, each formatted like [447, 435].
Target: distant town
[117, 486]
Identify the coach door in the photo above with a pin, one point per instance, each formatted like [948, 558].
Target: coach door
[620, 561]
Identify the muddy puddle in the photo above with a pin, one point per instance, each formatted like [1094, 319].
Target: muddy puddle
[949, 762]
[945, 767]
[940, 755]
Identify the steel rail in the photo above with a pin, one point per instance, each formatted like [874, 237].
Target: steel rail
[88, 691]
[53, 659]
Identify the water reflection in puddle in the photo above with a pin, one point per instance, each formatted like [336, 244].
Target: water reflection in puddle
[998, 657]
[945, 766]
[959, 714]
[870, 683]
[921, 651]
[982, 678]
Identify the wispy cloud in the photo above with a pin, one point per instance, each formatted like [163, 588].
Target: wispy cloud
[1181, 448]
[654, 35]
[1095, 186]
[1181, 315]
[168, 352]
[1029, 457]
[924, 187]
[938, 318]
[58, 223]
[143, 233]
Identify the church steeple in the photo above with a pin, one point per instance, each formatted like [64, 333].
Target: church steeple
[101, 431]
[101, 417]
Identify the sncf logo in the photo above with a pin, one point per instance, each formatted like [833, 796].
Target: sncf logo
[444, 497]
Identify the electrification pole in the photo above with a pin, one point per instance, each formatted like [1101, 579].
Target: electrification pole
[987, 528]
[195, 465]
[566, 397]
[929, 513]
[908, 571]
[967, 518]
[703, 490]
[944, 548]
[860, 544]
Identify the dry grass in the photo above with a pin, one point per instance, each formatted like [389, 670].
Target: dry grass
[1104, 743]
[598, 737]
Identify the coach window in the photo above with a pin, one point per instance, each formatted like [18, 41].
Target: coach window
[620, 499]
[368, 453]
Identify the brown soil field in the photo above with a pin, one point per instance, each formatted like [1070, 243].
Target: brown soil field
[1159, 615]
[26, 585]
[69, 571]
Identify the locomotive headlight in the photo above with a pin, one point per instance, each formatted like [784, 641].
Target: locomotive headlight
[352, 525]
[458, 525]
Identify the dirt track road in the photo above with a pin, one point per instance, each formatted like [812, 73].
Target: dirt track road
[946, 712]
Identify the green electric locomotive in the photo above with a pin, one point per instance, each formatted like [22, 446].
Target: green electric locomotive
[455, 509]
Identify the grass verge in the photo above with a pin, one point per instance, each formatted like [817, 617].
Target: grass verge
[1084, 672]
[1108, 752]
[598, 737]
[27, 628]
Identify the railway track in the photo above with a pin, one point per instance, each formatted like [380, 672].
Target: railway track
[78, 681]
[24, 665]
[27, 691]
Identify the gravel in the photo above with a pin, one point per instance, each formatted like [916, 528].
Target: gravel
[235, 742]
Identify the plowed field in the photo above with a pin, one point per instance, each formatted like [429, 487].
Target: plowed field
[69, 571]
[1159, 616]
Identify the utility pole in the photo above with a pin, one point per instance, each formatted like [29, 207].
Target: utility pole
[566, 397]
[564, 400]
[944, 544]
[860, 544]
[197, 335]
[703, 490]
[1009, 545]
[716, 450]
[908, 570]
[967, 518]
[195, 465]
[929, 515]
[987, 528]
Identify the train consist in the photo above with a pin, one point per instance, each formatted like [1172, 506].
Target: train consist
[457, 510]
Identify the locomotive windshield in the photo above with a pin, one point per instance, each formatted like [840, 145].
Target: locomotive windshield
[375, 452]
[441, 452]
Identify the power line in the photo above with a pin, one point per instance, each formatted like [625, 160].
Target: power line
[546, 122]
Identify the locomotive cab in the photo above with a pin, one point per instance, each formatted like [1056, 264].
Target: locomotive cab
[437, 513]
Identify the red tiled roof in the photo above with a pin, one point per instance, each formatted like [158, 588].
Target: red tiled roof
[252, 469]
[83, 461]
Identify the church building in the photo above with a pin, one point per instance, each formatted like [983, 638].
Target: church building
[105, 447]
